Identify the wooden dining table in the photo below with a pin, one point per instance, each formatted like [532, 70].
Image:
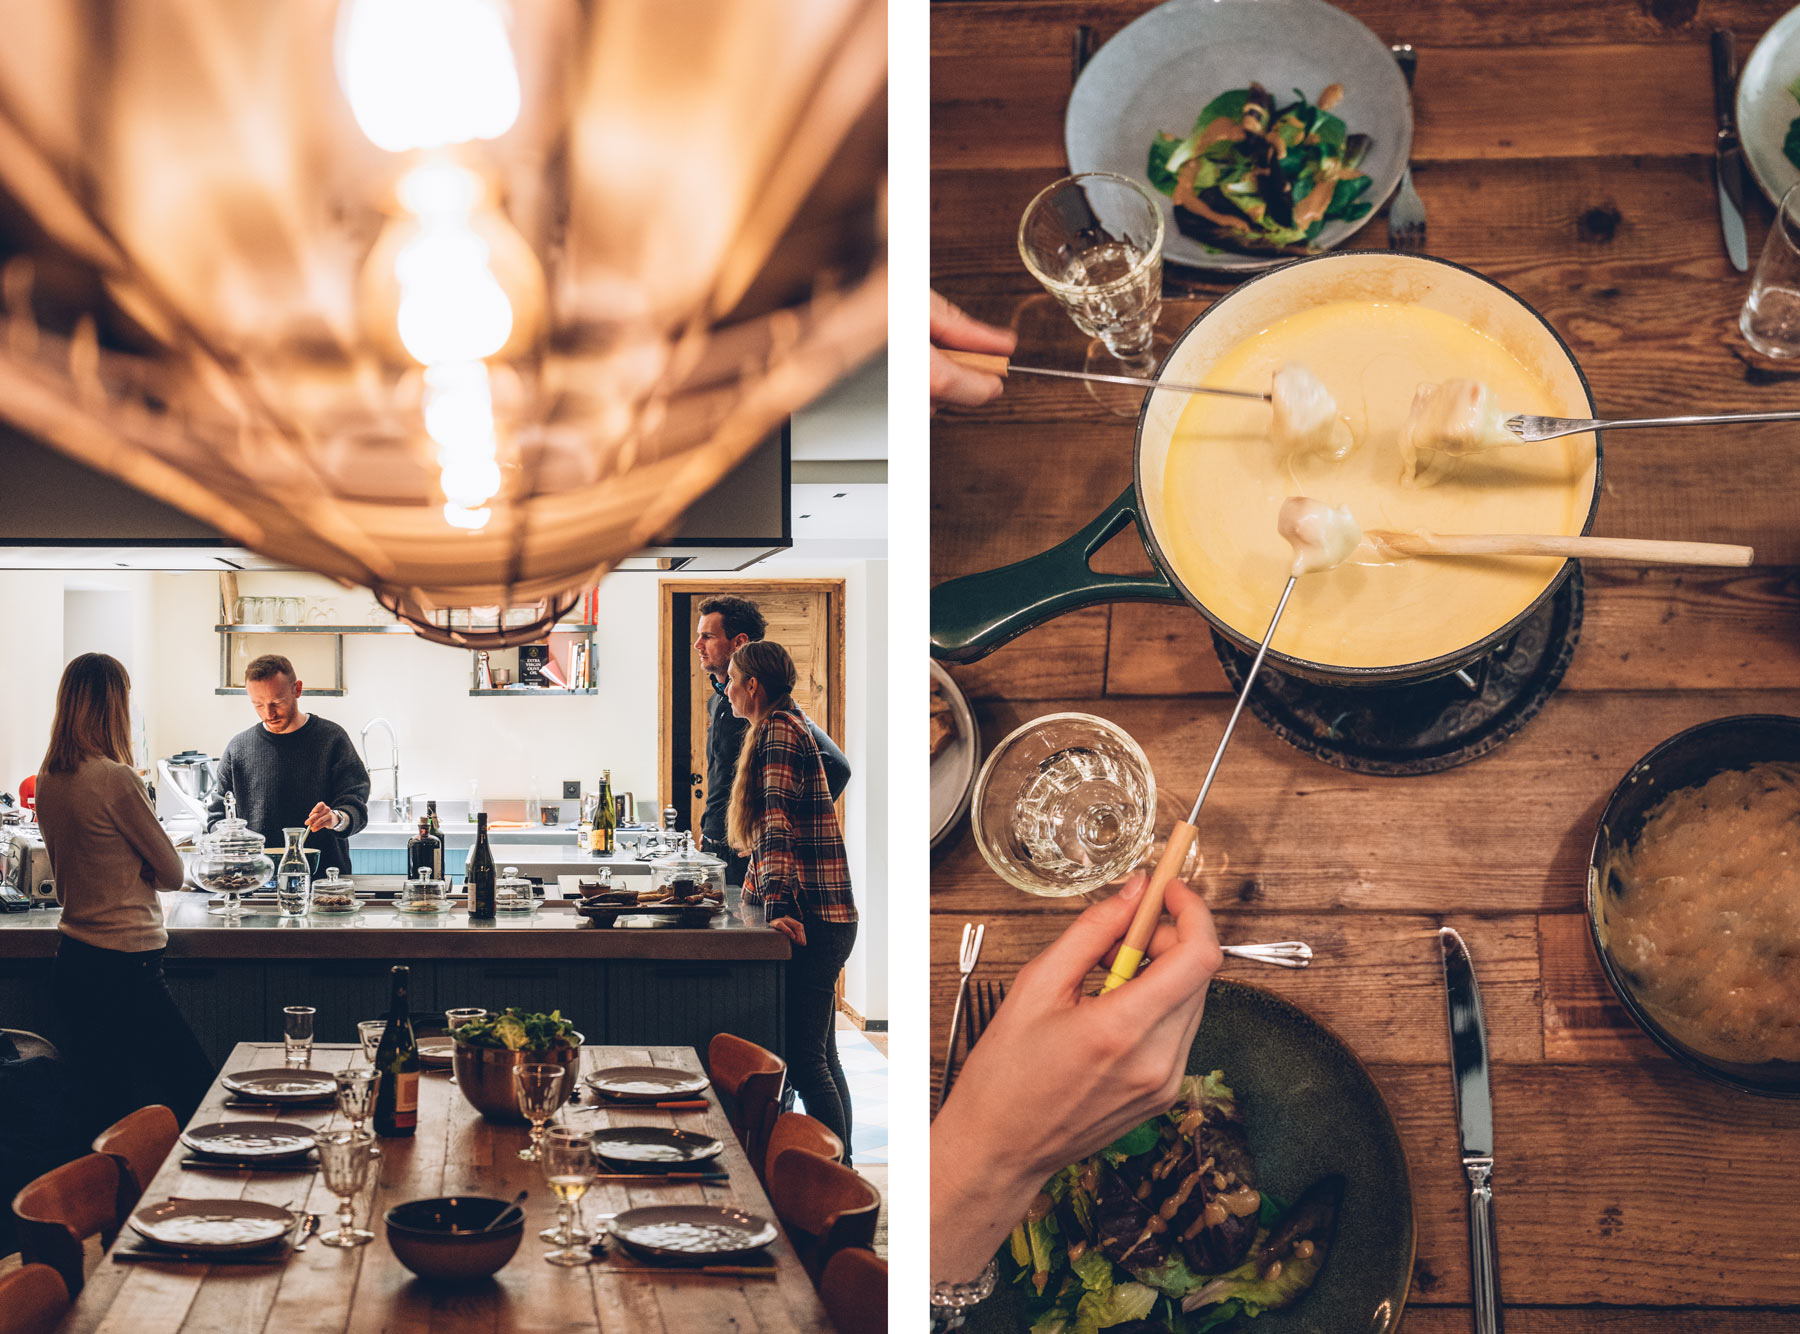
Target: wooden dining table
[454, 1152]
[1564, 150]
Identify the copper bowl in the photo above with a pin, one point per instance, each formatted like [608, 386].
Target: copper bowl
[485, 1076]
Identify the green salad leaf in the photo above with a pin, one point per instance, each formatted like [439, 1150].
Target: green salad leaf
[517, 1030]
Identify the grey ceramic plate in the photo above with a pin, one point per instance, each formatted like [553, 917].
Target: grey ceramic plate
[646, 1083]
[277, 1085]
[1161, 69]
[953, 769]
[636, 1147]
[248, 1139]
[694, 1234]
[437, 1052]
[1311, 1110]
[212, 1225]
[1765, 107]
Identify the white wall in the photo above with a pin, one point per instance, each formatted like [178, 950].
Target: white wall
[31, 663]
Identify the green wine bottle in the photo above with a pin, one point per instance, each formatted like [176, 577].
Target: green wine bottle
[479, 874]
[397, 1062]
[606, 818]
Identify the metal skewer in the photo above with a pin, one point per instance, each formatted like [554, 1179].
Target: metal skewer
[1181, 838]
[994, 364]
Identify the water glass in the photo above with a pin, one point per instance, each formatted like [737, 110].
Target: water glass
[455, 1019]
[540, 1088]
[297, 1035]
[356, 1093]
[1771, 316]
[568, 1158]
[344, 1159]
[1064, 805]
[369, 1032]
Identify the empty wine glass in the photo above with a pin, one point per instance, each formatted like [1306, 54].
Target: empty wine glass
[568, 1158]
[356, 1093]
[369, 1032]
[344, 1158]
[297, 1035]
[455, 1019]
[540, 1087]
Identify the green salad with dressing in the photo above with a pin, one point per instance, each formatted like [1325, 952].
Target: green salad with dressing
[517, 1030]
[1254, 177]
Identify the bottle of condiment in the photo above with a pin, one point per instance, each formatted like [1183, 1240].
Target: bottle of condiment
[397, 1062]
[479, 875]
[425, 852]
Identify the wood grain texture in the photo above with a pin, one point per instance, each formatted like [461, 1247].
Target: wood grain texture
[324, 1291]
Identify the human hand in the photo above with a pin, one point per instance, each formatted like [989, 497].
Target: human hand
[958, 384]
[792, 928]
[320, 817]
[1059, 1074]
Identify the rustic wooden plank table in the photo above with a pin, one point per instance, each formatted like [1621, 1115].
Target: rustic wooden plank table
[322, 1289]
[1564, 150]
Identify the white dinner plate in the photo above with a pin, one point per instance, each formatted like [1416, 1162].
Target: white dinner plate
[248, 1139]
[438, 1052]
[273, 1085]
[953, 769]
[1162, 68]
[692, 1233]
[212, 1225]
[1765, 108]
[646, 1083]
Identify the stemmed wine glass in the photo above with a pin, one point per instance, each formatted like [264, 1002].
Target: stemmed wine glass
[540, 1087]
[356, 1093]
[456, 1019]
[568, 1157]
[344, 1158]
[369, 1032]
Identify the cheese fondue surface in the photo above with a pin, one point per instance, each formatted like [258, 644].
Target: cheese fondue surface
[1225, 481]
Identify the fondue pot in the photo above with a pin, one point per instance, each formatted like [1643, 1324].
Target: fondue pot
[974, 615]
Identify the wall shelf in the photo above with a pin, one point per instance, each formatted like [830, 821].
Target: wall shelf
[313, 629]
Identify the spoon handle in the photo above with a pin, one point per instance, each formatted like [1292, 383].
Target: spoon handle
[1647, 551]
[1280, 953]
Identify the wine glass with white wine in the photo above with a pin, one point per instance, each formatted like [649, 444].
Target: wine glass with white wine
[568, 1158]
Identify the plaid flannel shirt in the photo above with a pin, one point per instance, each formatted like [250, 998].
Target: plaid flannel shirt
[798, 867]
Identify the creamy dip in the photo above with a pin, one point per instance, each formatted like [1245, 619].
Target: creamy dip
[1322, 536]
[1706, 923]
[1225, 482]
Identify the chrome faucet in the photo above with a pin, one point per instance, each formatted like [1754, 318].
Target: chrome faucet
[393, 747]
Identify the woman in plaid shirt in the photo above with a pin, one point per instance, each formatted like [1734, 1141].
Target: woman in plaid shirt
[782, 818]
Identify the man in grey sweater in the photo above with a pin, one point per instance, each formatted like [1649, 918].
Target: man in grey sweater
[292, 769]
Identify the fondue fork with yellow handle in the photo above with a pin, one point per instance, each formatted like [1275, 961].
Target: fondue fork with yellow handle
[1644, 551]
[1322, 536]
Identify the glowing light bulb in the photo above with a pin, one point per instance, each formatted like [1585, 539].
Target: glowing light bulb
[471, 482]
[423, 73]
[459, 410]
[451, 307]
[440, 190]
[458, 517]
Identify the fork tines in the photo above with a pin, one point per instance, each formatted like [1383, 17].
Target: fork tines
[987, 998]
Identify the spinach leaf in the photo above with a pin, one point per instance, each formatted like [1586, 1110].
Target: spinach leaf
[1229, 105]
[1344, 199]
[1790, 147]
[1158, 170]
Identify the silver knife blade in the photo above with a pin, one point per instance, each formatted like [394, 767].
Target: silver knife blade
[1468, 1049]
[1728, 153]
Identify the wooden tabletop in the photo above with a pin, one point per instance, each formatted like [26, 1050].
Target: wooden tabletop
[1564, 150]
[323, 1289]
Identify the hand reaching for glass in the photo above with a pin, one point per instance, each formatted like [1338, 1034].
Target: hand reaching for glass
[1060, 1074]
[956, 384]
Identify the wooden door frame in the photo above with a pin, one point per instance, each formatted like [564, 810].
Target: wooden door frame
[670, 589]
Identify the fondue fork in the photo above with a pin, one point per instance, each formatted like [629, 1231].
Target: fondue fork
[1645, 551]
[994, 364]
[1533, 429]
[1181, 838]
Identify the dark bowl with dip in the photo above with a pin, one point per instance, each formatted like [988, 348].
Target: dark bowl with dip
[442, 1239]
[1687, 760]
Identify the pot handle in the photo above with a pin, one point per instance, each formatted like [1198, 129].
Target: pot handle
[976, 614]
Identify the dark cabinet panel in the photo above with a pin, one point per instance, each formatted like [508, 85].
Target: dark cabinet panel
[25, 996]
[577, 987]
[346, 991]
[224, 1003]
[651, 1003]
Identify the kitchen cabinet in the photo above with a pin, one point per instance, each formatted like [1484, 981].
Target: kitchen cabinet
[685, 1002]
[345, 992]
[223, 1000]
[577, 987]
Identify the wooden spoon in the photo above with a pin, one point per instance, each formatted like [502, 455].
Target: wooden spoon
[1643, 550]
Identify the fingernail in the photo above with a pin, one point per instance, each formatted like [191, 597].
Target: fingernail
[1134, 887]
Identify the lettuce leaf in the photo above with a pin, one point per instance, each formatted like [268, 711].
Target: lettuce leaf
[1122, 1302]
[1139, 1139]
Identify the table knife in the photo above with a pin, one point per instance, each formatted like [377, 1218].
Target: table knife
[1475, 1122]
[1728, 153]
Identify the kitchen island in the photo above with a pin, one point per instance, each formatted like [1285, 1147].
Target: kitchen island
[657, 986]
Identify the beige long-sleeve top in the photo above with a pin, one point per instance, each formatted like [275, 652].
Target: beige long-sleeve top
[108, 854]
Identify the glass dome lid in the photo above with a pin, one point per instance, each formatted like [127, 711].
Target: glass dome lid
[686, 857]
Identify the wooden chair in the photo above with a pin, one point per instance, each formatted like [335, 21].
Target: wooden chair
[749, 1079]
[64, 1207]
[797, 1130]
[33, 1299]
[824, 1206]
[855, 1292]
[138, 1144]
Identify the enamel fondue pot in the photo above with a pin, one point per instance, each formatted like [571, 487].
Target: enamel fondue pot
[974, 615]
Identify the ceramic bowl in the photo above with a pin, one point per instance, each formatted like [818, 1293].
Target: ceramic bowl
[485, 1076]
[441, 1239]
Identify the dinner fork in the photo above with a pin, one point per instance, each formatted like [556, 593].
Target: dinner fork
[1533, 429]
[1406, 213]
[965, 964]
[986, 998]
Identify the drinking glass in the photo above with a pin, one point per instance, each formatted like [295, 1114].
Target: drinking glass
[1095, 242]
[369, 1032]
[456, 1019]
[1771, 316]
[356, 1093]
[568, 1157]
[297, 1035]
[1064, 805]
[293, 610]
[344, 1158]
[540, 1087]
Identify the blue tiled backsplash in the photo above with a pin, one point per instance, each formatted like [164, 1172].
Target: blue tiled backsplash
[392, 861]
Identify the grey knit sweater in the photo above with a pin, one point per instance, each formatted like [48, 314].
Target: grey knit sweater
[277, 778]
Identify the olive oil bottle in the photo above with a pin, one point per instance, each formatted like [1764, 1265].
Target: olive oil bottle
[397, 1063]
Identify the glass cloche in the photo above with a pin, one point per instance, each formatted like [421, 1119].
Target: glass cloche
[513, 892]
[687, 874]
[229, 860]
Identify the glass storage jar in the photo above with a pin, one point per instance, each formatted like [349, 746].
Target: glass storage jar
[331, 894]
[422, 894]
[230, 860]
[513, 892]
[687, 873]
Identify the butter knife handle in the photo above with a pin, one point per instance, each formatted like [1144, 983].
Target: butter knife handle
[1484, 1259]
[1724, 76]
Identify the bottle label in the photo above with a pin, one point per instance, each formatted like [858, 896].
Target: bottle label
[406, 1099]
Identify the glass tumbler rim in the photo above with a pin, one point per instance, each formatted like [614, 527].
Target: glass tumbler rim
[1151, 255]
[979, 791]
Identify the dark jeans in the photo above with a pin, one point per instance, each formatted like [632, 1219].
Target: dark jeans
[812, 1054]
[126, 1044]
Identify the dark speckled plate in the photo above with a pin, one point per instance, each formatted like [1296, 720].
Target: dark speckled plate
[1312, 1110]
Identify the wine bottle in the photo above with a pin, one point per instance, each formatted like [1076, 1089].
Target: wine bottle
[425, 852]
[432, 815]
[606, 817]
[479, 877]
[397, 1063]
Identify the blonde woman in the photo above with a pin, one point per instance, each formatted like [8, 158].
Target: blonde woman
[126, 1043]
[782, 818]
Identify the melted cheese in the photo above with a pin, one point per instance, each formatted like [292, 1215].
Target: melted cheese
[1455, 417]
[1322, 536]
[1225, 482]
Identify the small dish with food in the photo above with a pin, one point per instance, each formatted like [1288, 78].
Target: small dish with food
[955, 754]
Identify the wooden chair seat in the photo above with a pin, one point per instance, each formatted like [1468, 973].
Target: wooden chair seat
[64, 1207]
[33, 1300]
[855, 1292]
[797, 1130]
[824, 1206]
[749, 1081]
[138, 1144]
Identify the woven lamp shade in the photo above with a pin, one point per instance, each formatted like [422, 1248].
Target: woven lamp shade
[199, 296]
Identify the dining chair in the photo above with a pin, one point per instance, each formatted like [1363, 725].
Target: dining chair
[34, 1299]
[749, 1080]
[797, 1130]
[854, 1291]
[64, 1207]
[824, 1206]
[138, 1143]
